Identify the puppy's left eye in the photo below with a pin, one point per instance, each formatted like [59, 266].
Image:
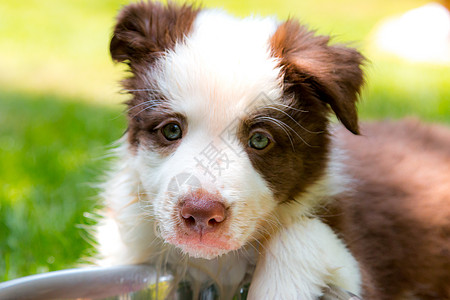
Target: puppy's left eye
[172, 131]
[259, 141]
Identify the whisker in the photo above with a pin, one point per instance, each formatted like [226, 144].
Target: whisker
[144, 109]
[290, 117]
[278, 122]
[153, 101]
[253, 246]
[138, 90]
[291, 107]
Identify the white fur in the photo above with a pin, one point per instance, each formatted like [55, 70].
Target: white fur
[124, 235]
[302, 256]
[240, 50]
[300, 260]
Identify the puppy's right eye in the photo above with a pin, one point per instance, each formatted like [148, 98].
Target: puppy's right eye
[172, 131]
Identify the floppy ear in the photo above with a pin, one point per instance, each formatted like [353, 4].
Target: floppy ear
[144, 30]
[332, 71]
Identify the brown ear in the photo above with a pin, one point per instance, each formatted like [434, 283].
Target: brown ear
[144, 30]
[332, 71]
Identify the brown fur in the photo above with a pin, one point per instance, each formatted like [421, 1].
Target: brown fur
[396, 220]
[144, 32]
[295, 160]
[148, 130]
[332, 72]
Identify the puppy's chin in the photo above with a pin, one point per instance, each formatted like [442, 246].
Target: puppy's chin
[206, 248]
[203, 251]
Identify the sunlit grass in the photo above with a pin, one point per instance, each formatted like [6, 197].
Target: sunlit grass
[59, 109]
[397, 89]
[50, 154]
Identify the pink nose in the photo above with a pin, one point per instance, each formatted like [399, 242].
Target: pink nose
[202, 214]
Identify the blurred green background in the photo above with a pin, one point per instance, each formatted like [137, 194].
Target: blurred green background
[60, 109]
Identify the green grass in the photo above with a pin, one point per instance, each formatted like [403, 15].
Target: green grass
[59, 109]
[398, 89]
[50, 154]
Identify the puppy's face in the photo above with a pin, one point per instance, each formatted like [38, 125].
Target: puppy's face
[228, 118]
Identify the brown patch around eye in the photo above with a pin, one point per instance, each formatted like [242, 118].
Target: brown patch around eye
[147, 131]
[296, 156]
[170, 129]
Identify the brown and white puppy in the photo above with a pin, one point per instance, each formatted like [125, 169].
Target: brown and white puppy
[228, 158]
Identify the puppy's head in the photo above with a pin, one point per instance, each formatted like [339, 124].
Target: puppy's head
[228, 118]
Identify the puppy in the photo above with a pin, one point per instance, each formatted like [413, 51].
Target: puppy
[228, 169]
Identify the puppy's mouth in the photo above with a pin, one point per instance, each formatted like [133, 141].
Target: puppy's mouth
[203, 245]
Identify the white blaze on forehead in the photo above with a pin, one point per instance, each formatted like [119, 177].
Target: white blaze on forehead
[221, 68]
